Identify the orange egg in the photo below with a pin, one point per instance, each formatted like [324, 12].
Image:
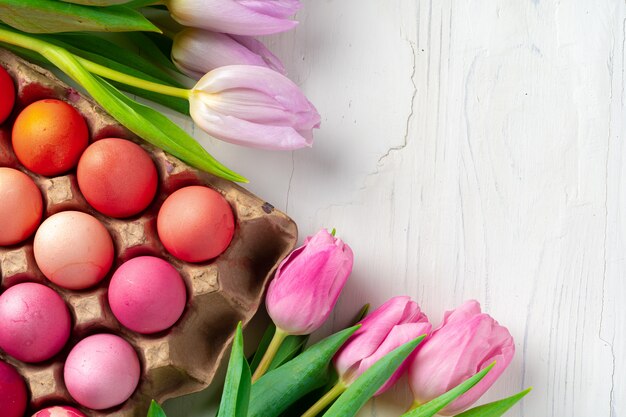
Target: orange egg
[7, 95]
[49, 136]
[21, 206]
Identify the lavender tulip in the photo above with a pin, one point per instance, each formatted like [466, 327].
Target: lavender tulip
[466, 342]
[308, 283]
[253, 106]
[196, 52]
[239, 17]
[391, 325]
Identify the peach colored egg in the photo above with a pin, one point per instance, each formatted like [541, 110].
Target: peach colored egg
[147, 294]
[34, 322]
[59, 411]
[73, 249]
[195, 224]
[21, 208]
[101, 371]
[12, 391]
[117, 177]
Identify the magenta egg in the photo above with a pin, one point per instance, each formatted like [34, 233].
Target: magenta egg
[101, 371]
[147, 294]
[12, 392]
[59, 411]
[34, 322]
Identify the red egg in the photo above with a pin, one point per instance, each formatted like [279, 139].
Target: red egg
[59, 411]
[117, 177]
[21, 207]
[195, 224]
[12, 392]
[7, 95]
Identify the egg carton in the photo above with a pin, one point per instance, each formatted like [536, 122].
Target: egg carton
[221, 292]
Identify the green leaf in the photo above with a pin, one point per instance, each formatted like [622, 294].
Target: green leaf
[496, 408]
[291, 347]
[275, 391]
[99, 3]
[144, 121]
[50, 16]
[361, 314]
[365, 386]
[150, 50]
[236, 394]
[155, 410]
[433, 406]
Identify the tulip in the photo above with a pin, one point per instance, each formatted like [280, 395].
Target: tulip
[196, 52]
[466, 342]
[305, 289]
[238, 17]
[253, 106]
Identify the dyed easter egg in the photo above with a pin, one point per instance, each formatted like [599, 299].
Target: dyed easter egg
[101, 371]
[117, 177]
[73, 249]
[21, 208]
[147, 294]
[59, 411]
[49, 136]
[34, 322]
[13, 396]
[7, 95]
[195, 224]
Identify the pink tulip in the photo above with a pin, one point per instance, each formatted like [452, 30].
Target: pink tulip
[391, 325]
[196, 52]
[239, 17]
[466, 342]
[253, 106]
[308, 283]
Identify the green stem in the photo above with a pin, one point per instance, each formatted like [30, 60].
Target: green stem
[268, 356]
[326, 400]
[45, 49]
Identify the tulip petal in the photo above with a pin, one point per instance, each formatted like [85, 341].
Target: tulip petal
[275, 8]
[257, 47]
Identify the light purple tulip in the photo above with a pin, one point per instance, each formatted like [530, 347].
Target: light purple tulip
[391, 325]
[196, 52]
[253, 106]
[238, 17]
[308, 283]
[466, 342]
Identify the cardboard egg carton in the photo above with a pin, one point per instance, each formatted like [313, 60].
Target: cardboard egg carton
[220, 293]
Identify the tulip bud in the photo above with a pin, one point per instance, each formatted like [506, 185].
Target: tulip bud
[253, 106]
[308, 283]
[466, 342]
[196, 52]
[239, 17]
[391, 325]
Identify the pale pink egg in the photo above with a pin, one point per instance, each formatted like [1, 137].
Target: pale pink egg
[21, 208]
[12, 392]
[34, 322]
[147, 294]
[73, 250]
[101, 371]
[59, 411]
[195, 224]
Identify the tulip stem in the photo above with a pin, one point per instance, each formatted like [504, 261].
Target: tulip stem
[270, 353]
[326, 400]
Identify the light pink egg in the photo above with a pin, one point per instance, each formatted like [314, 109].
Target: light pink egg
[101, 371]
[21, 208]
[34, 322]
[12, 392]
[147, 294]
[59, 411]
[73, 250]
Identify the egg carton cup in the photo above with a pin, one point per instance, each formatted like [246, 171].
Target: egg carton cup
[220, 293]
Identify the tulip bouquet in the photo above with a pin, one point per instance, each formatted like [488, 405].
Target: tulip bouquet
[239, 92]
[449, 368]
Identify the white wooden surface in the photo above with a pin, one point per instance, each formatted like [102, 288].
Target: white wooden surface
[471, 149]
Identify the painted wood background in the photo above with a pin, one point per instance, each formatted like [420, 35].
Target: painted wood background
[470, 149]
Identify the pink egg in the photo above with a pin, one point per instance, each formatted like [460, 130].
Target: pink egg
[195, 224]
[59, 411]
[101, 371]
[13, 396]
[34, 322]
[147, 294]
[73, 250]
[21, 208]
